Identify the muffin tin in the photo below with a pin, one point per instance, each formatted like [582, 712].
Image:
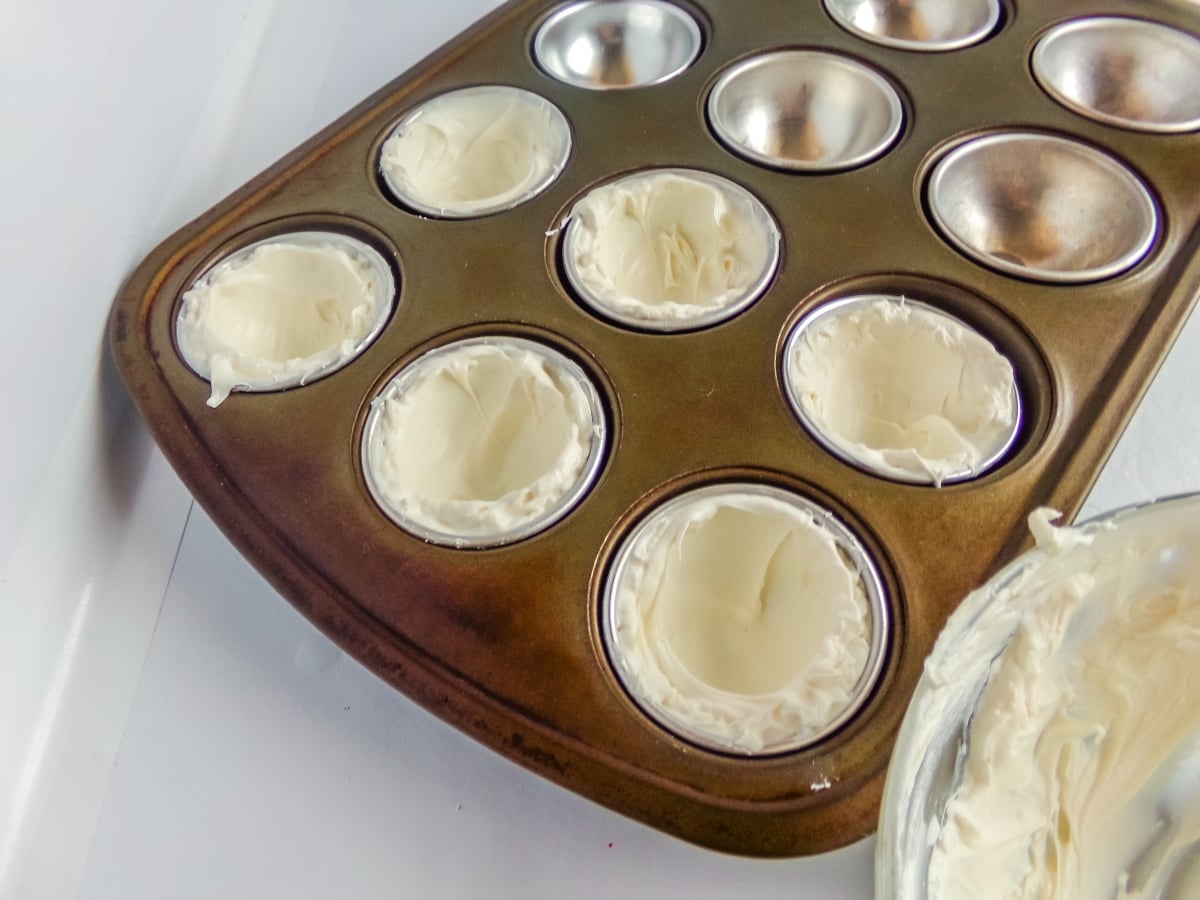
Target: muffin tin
[508, 642]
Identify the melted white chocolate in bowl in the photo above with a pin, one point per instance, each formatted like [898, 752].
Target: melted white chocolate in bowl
[670, 249]
[901, 389]
[744, 619]
[283, 312]
[475, 151]
[1052, 749]
[483, 442]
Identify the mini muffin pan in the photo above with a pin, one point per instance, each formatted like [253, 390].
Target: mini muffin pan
[989, 203]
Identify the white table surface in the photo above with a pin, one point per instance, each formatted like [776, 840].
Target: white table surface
[169, 726]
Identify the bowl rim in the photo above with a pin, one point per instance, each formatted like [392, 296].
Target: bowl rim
[897, 875]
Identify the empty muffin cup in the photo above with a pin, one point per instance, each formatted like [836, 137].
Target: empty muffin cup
[475, 151]
[614, 45]
[901, 390]
[1042, 207]
[1127, 72]
[744, 618]
[283, 312]
[670, 249]
[923, 25]
[483, 442]
[805, 110]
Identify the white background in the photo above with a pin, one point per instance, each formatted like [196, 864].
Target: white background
[169, 727]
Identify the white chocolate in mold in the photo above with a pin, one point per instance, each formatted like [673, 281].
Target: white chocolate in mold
[283, 312]
[737, 620]
[475, 151]
[670, 249]
[483, 441]
[902, 389]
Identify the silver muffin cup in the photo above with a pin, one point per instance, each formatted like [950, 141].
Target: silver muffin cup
[604, 289]
[922, 25]
[472, 524]
[851, 450]
[616, 45]
[805, 110]
[277, 374]
[475, 151]
[1042, 207]
[1127, 72]
[620, 644]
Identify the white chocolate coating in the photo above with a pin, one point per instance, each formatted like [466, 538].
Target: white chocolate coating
[902, 389]
[736, 620]
[475, 151]
[476, 442]
[1079, 776]
[283, 312]
[670, 249]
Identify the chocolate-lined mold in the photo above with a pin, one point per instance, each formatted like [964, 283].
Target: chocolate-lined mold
[901, 389]
[923, 25]
[805, 110]
[284, 311]
[475, 151]
[484, 441]
[669, 249]
[617, 45]
[1128, 72]
[744, 618]
[1042, 207]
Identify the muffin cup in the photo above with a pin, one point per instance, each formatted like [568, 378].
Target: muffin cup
[475, 151]
[704, 624]
[805, 111]
[1132, 73]
[283, 312]
[670, 249]
[901, 389]
[1042, 207]
[605, 46]
[921, 25]
[483, 442]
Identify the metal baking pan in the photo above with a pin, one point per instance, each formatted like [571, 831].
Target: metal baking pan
[506, 642]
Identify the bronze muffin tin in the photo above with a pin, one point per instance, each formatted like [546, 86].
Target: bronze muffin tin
[506, 642]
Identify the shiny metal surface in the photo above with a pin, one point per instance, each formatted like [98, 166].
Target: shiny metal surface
[805, 110]
[1128, 72]
[925, 25]
[842, 307]
[606, 46]
[1042, 207]
[855, 554]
